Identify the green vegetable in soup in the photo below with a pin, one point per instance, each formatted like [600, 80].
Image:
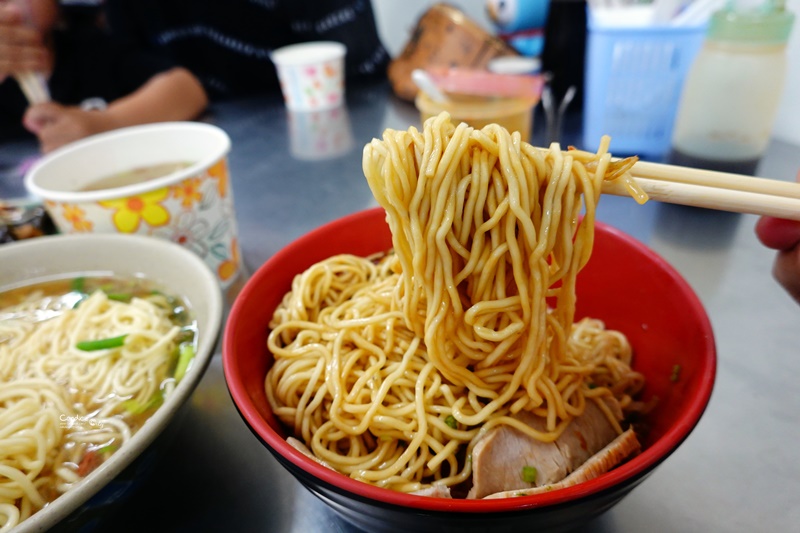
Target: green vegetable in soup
[101, 344]
[185, 355]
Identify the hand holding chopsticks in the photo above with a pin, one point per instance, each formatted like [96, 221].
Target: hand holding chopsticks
[713, 190]
[21, 50]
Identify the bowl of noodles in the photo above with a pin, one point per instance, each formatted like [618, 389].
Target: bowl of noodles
[103, 338]
[476, 353]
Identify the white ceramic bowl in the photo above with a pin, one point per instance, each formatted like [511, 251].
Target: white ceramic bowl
[171, 266]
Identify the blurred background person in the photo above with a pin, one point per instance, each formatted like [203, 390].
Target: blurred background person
[95, 83]
[118, 63]
[226, 44]
[784, 236]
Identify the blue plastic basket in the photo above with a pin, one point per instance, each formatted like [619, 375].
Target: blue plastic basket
[633, 82]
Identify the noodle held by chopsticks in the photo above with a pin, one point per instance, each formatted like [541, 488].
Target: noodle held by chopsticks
[391, 368]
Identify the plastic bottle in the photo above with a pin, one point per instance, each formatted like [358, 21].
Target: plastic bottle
[730, 97]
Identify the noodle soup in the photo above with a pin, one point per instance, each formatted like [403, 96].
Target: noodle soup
[84, 362]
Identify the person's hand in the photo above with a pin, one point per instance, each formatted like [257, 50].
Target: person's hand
[784, 236]
[21, 46]
[56, 125]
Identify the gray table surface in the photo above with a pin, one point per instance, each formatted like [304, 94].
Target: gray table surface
[739, 470]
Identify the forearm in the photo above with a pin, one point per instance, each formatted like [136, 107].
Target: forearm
[173, 95]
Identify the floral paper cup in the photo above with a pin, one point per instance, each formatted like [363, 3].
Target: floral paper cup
[168, 180]
[311, 74]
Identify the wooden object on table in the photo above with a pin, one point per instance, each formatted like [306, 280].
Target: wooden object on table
[443, 36]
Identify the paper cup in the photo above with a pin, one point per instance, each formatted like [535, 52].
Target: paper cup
[311, 74]
[192, 205]
[321, 134]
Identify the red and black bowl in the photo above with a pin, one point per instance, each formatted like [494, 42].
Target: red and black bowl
[626, 284]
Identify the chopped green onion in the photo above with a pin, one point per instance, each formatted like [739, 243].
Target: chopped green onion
[529, 474]
[101, 344]
[119, 296]
[78, 284]
[136, 408]
[185, 354]
[451, 421]
[108, 448]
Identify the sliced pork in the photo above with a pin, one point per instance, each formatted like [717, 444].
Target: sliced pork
[499, 457]
[624, 446]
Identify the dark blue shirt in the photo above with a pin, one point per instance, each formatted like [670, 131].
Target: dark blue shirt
[226, 43]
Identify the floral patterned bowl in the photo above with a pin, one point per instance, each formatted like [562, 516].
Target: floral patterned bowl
[192, 204]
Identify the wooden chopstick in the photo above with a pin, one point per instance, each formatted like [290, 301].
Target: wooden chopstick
[34, 87]
[712, 178]
[713, 190]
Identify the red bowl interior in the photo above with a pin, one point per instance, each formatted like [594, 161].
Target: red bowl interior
[625, 284]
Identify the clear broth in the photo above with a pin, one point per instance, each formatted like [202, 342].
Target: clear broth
[136, 176]
[65, 293]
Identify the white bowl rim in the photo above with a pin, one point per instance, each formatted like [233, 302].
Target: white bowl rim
[308, 53]
[84, 490]
[128, 190]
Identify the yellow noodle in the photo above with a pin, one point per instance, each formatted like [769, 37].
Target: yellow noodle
[58, 402]
[390, 368]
